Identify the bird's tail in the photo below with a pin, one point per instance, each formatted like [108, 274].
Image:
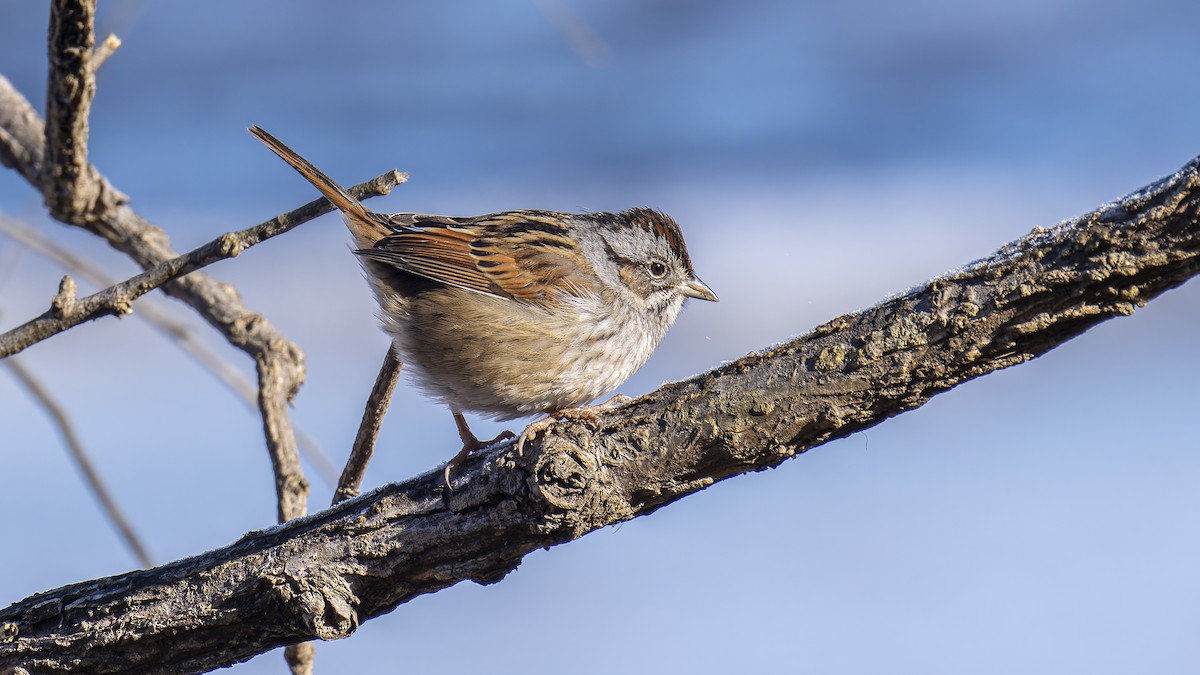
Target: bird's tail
[362, 222]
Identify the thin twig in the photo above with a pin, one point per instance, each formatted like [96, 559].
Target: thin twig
[118, 299]
[280, 363]
[178, 332]
[105, 50]
[316, 455]
[300, 657]
[582, 39]
[8, 263]
[368, 430]
[79, 454]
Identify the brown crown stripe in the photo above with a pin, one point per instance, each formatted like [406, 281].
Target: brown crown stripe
[659, 224]
[536, 226]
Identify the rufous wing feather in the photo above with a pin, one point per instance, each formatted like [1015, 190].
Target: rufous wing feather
[511, 255]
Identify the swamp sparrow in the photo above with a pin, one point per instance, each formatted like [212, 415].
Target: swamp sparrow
[519, 312]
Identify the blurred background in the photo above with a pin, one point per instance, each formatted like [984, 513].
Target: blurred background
[820, 156]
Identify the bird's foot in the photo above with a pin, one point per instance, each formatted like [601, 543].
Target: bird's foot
[471, 445]
[589, 413]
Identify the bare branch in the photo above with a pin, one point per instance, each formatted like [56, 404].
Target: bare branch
[67, 312]
[316, 455]
[319, 577]
[279, 361]
[177, 331]
[368, 430]
[582, 39]
[106, 49]
[69, 183]
[76, 193]
[79, 454]
[22, 134]
[300, 658]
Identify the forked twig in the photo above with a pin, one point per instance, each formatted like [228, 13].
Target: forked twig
[68, 311]
[178, 332]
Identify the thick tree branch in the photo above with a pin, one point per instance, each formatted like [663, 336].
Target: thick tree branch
[70, 184]
[323, 575]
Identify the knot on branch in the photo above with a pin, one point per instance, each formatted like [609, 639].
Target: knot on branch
[575, 485]
[316, 598]
[562, 473]
[229, 245]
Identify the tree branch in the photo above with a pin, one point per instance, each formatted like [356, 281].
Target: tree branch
[300, 656]
[82, 459]
[106, 49]
[322, 575]
[279, 362]
[76, 193]
[69, 312]
[179, 332]
[368, 429]
[69, 183]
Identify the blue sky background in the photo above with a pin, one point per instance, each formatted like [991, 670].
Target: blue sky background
[820, 156]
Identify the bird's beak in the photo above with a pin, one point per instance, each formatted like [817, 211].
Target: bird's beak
[694, 288]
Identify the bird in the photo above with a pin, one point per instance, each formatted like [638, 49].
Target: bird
[517, 313]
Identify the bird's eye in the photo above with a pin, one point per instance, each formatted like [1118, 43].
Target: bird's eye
[658, 269]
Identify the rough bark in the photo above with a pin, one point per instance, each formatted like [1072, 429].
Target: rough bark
[321, 576]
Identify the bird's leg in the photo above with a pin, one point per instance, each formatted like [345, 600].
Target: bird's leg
[470, 444]
[590, 413]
